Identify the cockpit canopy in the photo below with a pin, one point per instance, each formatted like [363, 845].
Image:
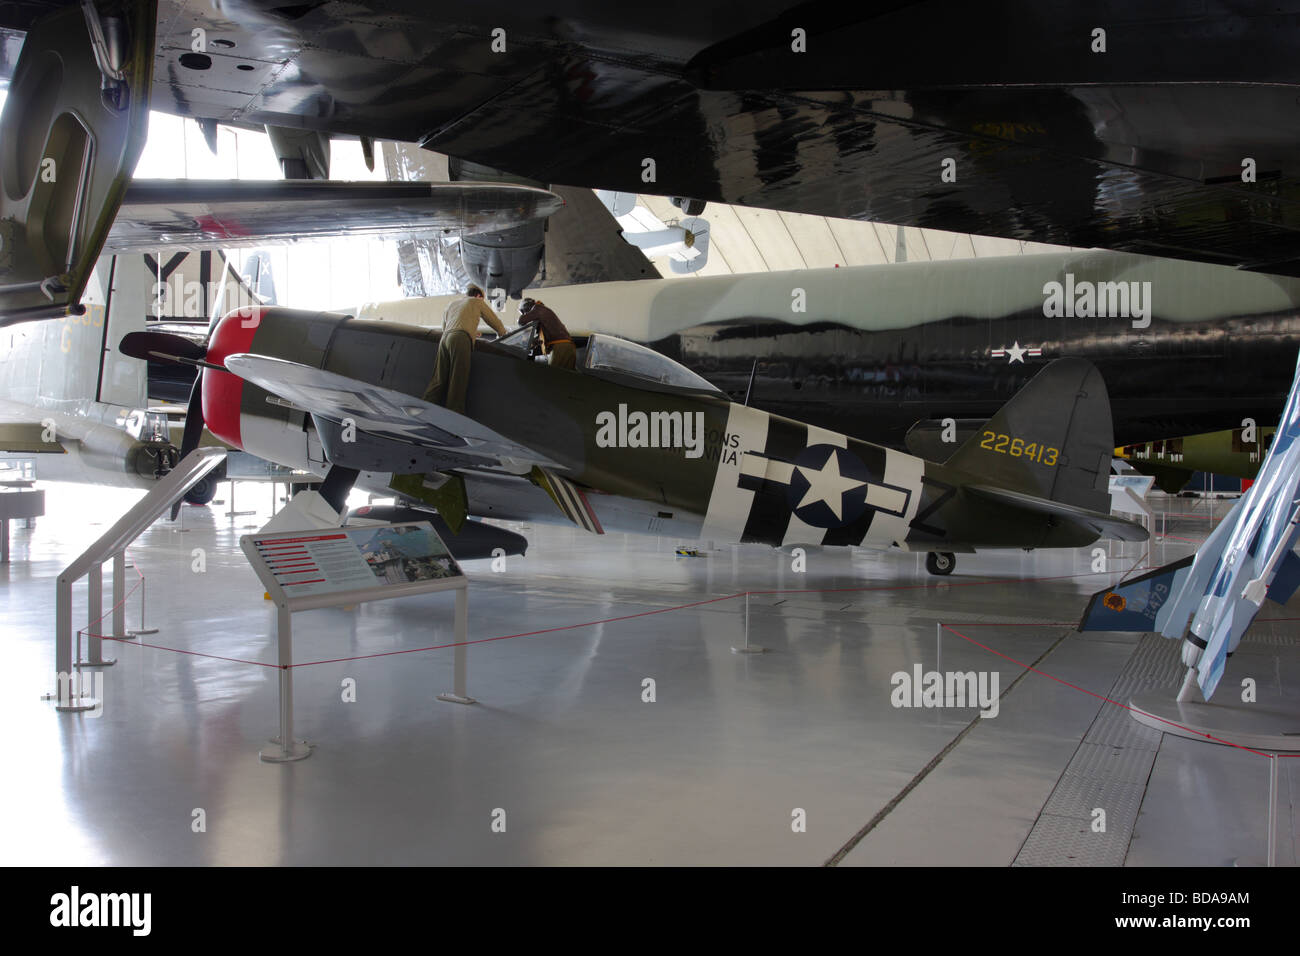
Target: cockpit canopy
[606, 353]
[608, 356]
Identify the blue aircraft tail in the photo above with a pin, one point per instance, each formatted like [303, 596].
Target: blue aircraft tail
[1211, 598]
[1137, 604]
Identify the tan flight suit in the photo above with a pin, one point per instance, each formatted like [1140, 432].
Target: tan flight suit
[563, 354]
[459, 330]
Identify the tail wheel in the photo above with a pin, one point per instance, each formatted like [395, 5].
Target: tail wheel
[940, 562]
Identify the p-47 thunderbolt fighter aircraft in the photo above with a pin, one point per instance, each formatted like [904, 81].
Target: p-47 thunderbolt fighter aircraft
[632, 441]
[1222, 587]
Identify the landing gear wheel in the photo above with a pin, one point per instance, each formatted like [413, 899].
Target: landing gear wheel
[203, 492]
[940, 562]
[692, 207]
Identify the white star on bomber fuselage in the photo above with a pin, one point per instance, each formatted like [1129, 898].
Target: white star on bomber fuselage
[1016, 354]
[827, 484]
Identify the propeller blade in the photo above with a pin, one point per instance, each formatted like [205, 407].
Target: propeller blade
[193, 425]
[162, 346]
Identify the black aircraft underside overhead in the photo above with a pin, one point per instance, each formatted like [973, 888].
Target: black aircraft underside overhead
[879, 383]
[1135, 138]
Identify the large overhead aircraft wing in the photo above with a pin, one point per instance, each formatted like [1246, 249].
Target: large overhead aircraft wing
[1015, 118]
[200, 214]
[72, 128]
[383, 413]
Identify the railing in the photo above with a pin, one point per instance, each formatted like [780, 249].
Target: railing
[112, 546]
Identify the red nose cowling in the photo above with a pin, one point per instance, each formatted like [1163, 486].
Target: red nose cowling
[222, 391]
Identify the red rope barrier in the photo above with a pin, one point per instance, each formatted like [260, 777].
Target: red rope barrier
[729, 597]
[1103, 697]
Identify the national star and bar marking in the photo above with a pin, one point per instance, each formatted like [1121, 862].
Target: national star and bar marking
[1016, 353]
[825, 487]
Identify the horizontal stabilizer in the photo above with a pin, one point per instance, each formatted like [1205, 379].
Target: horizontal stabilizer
[1138, 604]
[1105, 525]
[189, 214]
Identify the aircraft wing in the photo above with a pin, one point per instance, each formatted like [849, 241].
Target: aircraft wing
[194, 214]
[382, 412]
[1105, 525]
[1046, 136]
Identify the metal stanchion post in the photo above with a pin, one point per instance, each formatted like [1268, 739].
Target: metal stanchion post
[232, 513]
[460, 690]
[65, 696]
[119, 595]
[136, 632]
[748, 648]
[285, 748]
[1272, 809]
[94, 620]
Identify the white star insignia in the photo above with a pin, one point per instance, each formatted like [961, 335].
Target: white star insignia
[828, 485]
[1016, 354]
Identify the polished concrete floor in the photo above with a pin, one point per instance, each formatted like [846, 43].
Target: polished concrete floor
[792, 756]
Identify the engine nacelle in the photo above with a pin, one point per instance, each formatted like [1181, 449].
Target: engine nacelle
[238, 412]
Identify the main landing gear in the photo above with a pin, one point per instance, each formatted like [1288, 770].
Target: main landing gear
[203, 492]
[940, 562]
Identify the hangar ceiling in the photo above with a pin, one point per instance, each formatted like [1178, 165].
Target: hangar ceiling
[743, 239]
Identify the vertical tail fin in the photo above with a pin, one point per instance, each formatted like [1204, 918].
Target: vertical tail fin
[259, 276]
[1053, 440]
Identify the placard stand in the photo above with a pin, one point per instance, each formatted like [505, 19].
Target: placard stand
[338, 567]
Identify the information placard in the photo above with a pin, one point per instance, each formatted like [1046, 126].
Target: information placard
[349, 565]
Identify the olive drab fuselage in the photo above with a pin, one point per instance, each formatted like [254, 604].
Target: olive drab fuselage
[736, 472]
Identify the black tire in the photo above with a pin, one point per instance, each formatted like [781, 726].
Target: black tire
[203, 492]
[940, 562]
[692, 207]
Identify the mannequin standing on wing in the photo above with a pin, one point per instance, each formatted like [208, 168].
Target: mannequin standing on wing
[456, 348]
[555, 337]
